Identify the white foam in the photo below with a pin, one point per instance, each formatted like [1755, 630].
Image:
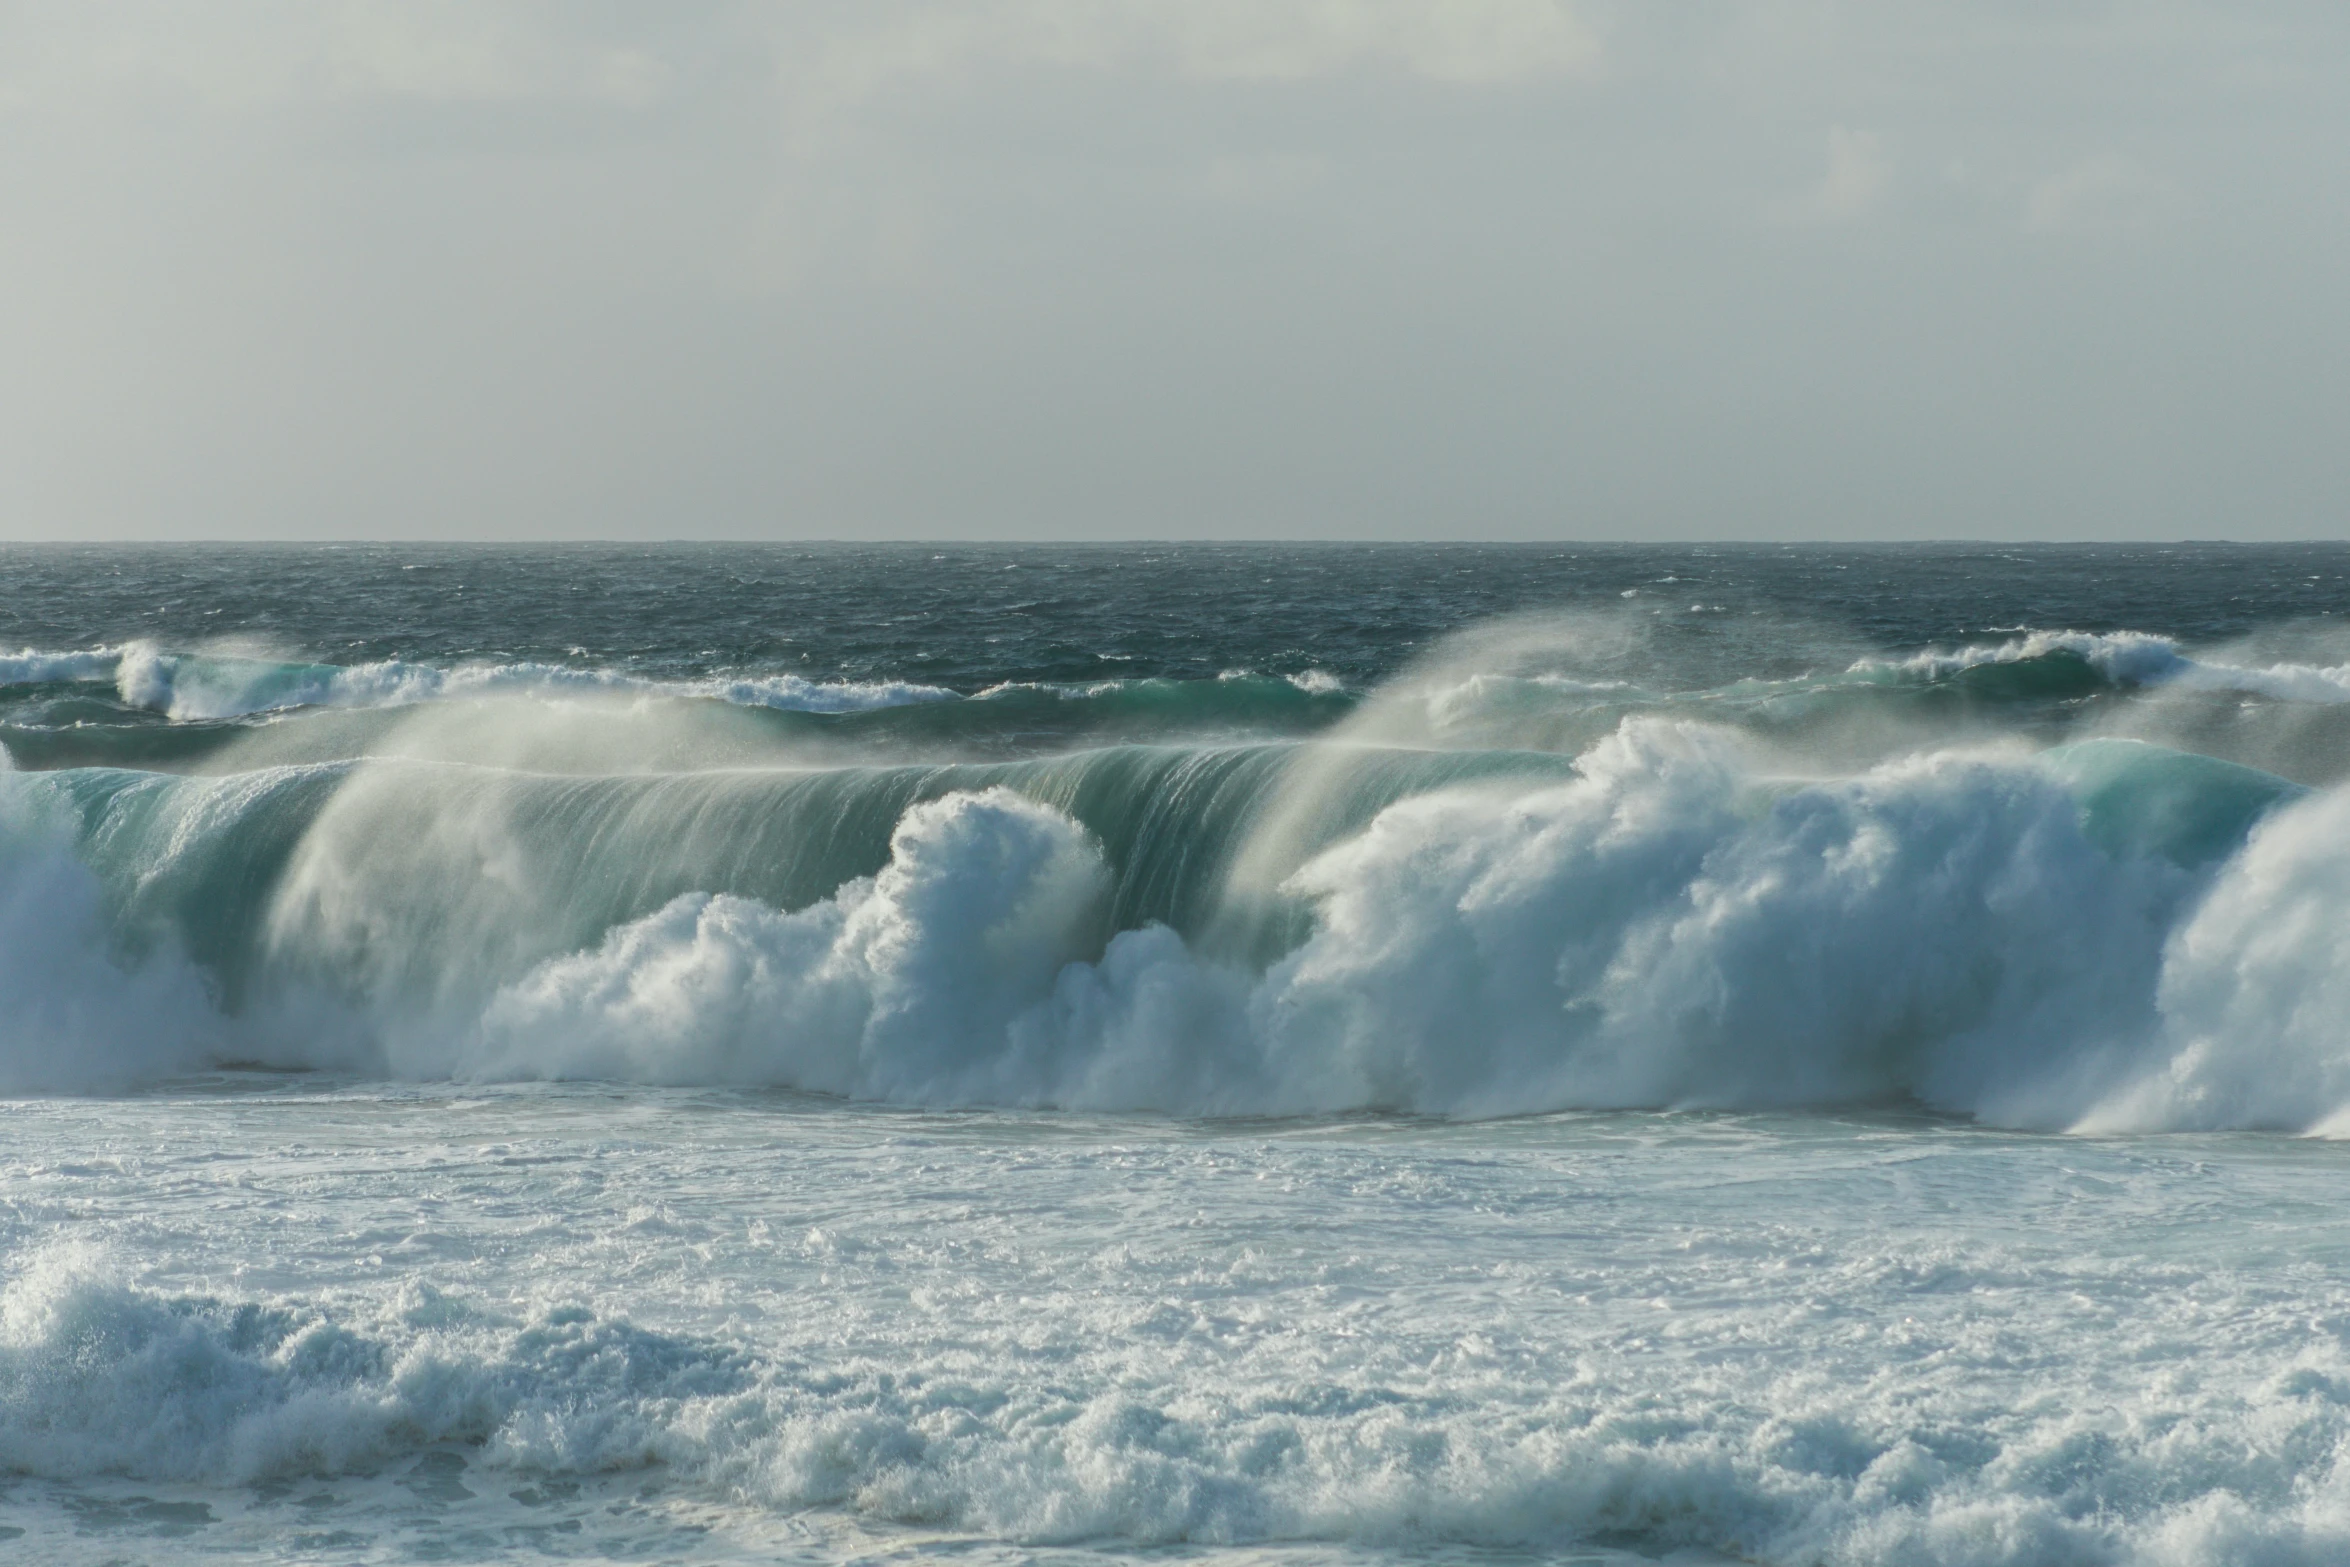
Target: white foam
[98, 1376]
[1840, 1346]
[898, 986]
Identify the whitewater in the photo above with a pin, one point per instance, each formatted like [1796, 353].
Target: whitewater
[1317, 1054]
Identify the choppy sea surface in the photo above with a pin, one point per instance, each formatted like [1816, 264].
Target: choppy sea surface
[1284, 1054]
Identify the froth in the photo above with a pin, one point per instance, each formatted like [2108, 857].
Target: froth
[902, 985]
[100, 1377]
[1081, 1410]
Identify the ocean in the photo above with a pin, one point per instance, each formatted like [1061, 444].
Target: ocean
[1202, 1053]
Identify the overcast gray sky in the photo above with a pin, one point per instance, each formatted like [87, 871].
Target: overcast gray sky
[1048, 269]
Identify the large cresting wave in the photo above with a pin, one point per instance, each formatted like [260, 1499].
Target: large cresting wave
[1406, 914]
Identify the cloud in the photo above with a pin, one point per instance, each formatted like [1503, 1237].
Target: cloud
[851, 55]
[247, 54]
[2102, 194]
[1859, 170]
[235, 54]
[1460, 41]
[1167, 266]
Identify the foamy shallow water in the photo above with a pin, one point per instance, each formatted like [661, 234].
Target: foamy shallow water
[305, 1320]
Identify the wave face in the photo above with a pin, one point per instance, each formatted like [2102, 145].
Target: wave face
[2049, 879]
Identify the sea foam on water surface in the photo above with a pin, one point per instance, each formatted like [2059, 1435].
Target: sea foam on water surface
[1845, 1345]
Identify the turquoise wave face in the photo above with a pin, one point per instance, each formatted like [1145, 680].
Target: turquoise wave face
[2140, 799]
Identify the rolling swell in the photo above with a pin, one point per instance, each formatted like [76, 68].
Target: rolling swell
[1495, 885]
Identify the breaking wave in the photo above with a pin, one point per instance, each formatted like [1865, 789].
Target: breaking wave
[2106, 934]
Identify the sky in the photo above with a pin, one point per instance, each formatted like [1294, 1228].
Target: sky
[1284, 269]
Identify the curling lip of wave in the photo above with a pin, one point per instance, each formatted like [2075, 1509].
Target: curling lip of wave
[2131, 658]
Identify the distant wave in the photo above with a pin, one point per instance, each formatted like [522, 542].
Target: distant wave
[199, 686]
[2128, 658]
[202, 686]
[32, 666]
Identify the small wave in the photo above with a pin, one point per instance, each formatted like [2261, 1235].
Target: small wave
[196, 686]
[193, 686]
[33, 667]
[1312, 683]
[2127, 658]
[214, 686]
